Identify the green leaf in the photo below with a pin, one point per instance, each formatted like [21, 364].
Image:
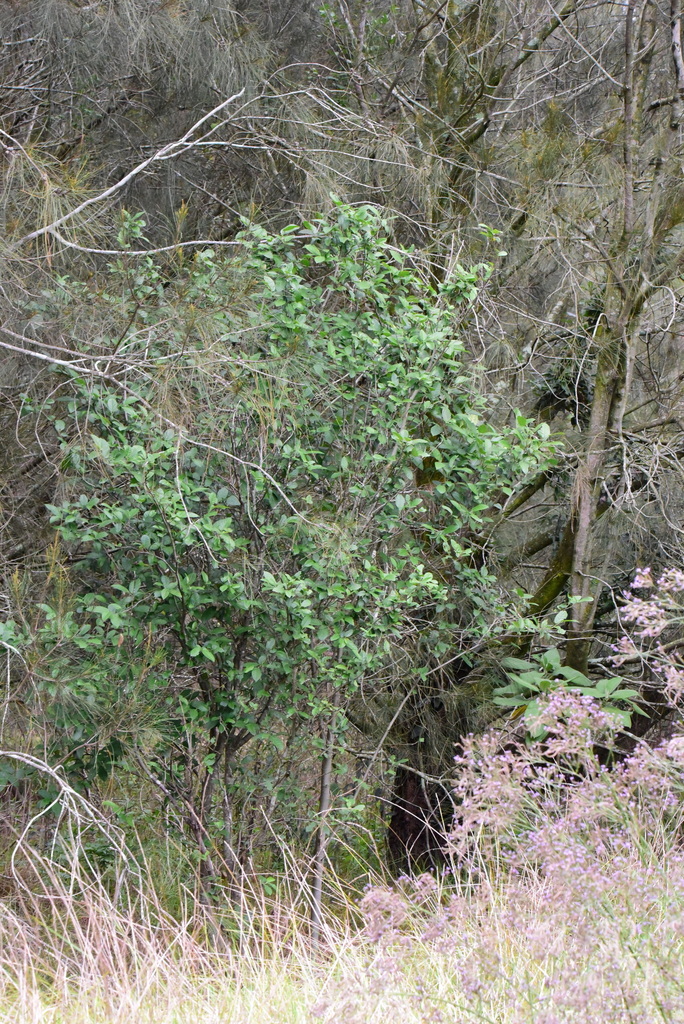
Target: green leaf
[625, 695]
[551, 660]
[532, 678]
[573, 675]
[516, 663]
[101, 445]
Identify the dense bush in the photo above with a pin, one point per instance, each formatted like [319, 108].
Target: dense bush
[292, 537]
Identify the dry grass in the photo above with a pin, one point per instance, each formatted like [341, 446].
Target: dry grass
[501, 958]
[567, 906]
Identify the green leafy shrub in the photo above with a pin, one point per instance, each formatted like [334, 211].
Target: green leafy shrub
[545, 674]
[301, 531]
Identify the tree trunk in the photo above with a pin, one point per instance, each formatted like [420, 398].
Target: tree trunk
[323, 832]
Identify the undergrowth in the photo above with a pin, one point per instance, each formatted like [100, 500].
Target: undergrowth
[561, 900]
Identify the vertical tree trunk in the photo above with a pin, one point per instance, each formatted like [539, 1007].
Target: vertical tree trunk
[323, 832]
[410, 836]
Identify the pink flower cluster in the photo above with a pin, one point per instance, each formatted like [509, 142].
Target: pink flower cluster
[643, 580]
[625, 649]
[649, 616]
[384, 911]
[565, 909]
[652, 616]
[671, 581]
[574, 723]
[674, 682]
